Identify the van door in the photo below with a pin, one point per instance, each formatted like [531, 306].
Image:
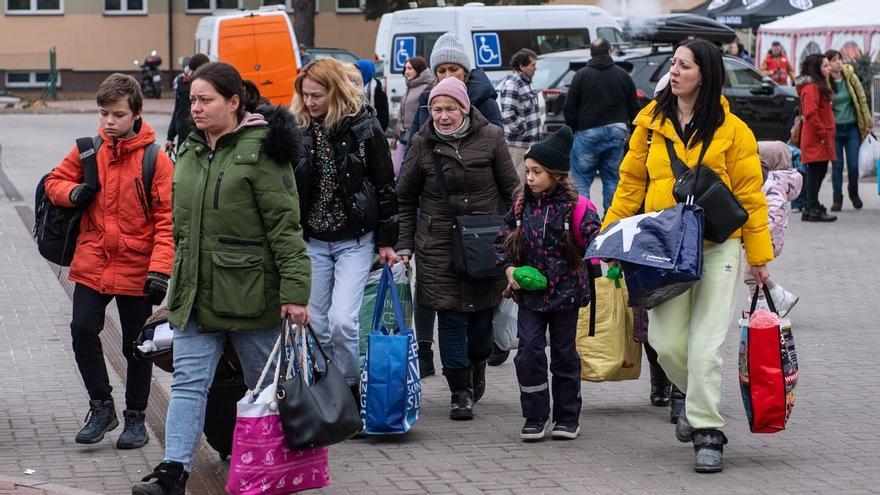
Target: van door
[263, 49]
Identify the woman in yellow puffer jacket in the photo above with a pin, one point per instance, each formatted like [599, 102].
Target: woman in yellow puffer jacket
[688, 331]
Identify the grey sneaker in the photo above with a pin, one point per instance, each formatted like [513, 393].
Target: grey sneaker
[708, 450]
[134, 435]
[100, 419]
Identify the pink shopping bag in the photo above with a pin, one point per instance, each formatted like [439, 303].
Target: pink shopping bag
[261, 463]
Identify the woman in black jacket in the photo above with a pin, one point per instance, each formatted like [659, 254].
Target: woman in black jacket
[348, 202]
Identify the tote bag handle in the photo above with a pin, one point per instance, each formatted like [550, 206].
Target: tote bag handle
[386, 283]
[769, 299]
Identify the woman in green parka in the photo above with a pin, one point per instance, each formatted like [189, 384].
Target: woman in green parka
[240, 263]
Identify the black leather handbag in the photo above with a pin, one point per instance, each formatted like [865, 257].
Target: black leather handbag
[724, 213]
[473, 238]
[319, 413]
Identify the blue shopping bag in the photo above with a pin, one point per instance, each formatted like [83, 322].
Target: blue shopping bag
[391, 393]
[661, 252]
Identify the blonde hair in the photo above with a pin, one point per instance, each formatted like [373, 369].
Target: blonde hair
[345, 98]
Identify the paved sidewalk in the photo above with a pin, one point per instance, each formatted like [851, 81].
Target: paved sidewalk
[626, 445]
[12, 486]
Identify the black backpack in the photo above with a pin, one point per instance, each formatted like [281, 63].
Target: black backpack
[57, 227]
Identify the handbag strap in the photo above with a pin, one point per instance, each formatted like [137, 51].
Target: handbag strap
[679, 167]
[386, 282]
[767, 296]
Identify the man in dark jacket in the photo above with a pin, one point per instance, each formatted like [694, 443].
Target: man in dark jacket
[601, 103]
[181, 121]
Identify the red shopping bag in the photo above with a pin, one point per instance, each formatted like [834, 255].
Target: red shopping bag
[768, 368]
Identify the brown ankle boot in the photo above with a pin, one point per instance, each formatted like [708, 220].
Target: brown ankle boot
[854, 196]
[837, 202]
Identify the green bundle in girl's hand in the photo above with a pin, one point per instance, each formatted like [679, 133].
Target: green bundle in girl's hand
[529, 278]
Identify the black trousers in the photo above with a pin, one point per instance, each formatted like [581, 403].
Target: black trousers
[88, 321]
[815, 175]
[565, 365]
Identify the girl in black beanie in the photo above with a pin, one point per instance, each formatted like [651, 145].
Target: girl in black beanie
[548, 229]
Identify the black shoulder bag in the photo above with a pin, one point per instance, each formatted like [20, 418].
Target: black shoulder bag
[723, 212]
[473, 237]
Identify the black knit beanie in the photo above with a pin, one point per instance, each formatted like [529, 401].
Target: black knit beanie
[553, 153]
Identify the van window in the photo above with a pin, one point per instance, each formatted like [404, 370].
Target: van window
[424, 43]
[540, 40]
[610, 34]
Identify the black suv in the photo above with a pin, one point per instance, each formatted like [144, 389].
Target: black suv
[767, 108]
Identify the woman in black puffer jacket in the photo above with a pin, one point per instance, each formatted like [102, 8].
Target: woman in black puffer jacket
[348, 202]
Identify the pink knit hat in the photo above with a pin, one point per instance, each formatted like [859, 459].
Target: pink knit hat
[454, 89]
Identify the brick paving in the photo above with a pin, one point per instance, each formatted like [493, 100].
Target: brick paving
[626, 445]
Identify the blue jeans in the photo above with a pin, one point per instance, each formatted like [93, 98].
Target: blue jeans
[598, 150]
[339, 275]
[196, 355]
[464, 338]
[847, 139]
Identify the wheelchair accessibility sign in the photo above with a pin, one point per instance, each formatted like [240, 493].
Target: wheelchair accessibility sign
[487, 50]
[404, 49]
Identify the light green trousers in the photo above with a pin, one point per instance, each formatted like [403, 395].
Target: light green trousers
[688, 332]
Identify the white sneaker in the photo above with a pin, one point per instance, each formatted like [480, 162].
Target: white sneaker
[783, 299]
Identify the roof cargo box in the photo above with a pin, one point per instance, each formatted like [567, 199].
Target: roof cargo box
[674, 28]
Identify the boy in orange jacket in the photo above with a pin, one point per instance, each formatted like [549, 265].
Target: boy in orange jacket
[124, 251]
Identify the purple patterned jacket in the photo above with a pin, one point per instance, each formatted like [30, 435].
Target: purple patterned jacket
[543, 222]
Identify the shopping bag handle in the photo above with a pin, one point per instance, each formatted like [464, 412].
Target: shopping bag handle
[272, 356]
[766, 296]
[386, 282]
[290, 328]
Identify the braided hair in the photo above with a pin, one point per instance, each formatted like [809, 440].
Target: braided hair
[514, 243]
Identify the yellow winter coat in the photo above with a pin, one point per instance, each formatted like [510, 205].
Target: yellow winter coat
[733, 155]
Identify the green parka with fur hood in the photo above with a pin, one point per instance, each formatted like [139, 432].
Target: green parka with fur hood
[239, 249]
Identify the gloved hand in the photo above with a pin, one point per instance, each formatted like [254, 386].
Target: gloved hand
[83, 194]
[156, 287]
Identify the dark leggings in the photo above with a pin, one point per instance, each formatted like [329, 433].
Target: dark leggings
[816, 172]
[657, 372]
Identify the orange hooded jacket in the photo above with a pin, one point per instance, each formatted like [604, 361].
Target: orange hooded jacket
[121, 237]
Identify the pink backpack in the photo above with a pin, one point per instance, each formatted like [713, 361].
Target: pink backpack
[580, 209]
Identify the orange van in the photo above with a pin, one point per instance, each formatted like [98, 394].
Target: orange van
[260, 43]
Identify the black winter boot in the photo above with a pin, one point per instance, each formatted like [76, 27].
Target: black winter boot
[708, 450]
[100, 419]
[677, 404]
[426, 360]
[168, 478]
[134, 435]
[854, 196]
[661, 387]
[498, 356]
[836, 202]
[479, 373]
[462, 387]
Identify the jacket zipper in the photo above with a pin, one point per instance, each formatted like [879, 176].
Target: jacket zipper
[544, 228]
[217, 191]
[142, 198]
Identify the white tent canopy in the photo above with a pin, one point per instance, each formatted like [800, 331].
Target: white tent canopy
[850, 26]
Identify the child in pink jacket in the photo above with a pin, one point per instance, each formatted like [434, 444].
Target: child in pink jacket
[782, 184]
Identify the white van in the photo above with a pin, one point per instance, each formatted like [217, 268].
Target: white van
[491, 34]
[259, 43]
